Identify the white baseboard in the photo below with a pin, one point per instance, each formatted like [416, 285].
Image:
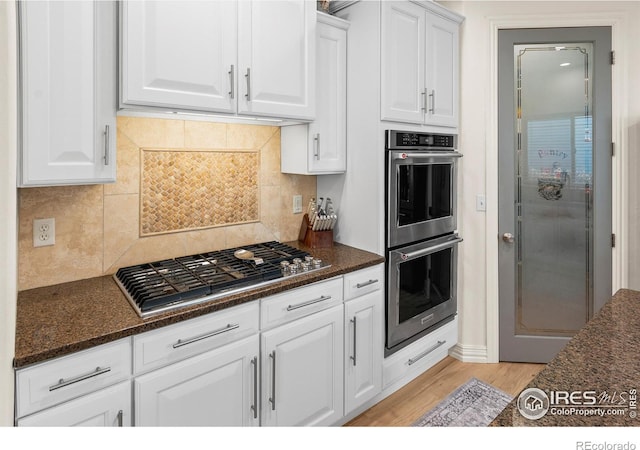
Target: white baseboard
[469, 353]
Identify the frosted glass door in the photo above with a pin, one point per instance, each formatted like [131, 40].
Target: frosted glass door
[553, 187]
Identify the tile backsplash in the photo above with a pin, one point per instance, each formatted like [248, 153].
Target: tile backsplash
[235, 195]
[190, 190]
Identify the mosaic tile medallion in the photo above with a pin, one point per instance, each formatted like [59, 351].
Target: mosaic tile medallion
[190, 190]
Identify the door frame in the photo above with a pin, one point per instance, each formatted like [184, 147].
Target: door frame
[619, 175]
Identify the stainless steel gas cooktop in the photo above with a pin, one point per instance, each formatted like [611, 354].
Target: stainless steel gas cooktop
[170, 284]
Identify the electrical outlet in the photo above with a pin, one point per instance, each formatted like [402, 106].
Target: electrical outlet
[297, 204]
[44, 232]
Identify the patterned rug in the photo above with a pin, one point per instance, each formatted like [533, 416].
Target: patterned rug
[474, 404]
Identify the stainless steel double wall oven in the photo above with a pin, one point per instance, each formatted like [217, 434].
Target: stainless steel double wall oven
[421, 240]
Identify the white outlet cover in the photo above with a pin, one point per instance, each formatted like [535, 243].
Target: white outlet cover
[44, 232]
[297, 204]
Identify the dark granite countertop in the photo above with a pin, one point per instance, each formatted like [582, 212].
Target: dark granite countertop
[603, 362]
[57, 320]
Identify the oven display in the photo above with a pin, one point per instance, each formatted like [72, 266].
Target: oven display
[424, 140]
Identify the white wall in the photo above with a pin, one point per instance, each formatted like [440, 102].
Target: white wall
[478, 256]
[8, 232]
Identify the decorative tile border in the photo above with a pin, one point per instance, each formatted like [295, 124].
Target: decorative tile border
[197, 189]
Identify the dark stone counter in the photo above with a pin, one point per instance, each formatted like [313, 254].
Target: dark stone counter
[600, 365]
[57, 320]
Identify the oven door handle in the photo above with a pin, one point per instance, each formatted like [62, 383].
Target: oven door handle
[429, 250]
[426, 155]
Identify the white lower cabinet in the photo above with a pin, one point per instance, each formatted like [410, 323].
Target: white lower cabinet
[302, 371]
[216, 388]
[363, 349]
[109, 407]
[413, 360]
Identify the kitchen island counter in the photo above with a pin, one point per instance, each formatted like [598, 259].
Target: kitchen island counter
[600, 364]
[65, 318]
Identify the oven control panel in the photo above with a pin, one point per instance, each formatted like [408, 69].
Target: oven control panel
[424, 141]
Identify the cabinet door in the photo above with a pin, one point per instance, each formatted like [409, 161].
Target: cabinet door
[302, 371]
[68, 84]
[217, 388]
[179, 54]
[110, 407]
[402, 85]
[364, 348]
[328, 132]
[442, 71]
[276, 58]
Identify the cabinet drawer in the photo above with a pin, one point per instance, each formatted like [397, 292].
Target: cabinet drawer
[59, 380]
[158, 348]
[363, 281]
[290, 305]
[419, 356]
[109, 407]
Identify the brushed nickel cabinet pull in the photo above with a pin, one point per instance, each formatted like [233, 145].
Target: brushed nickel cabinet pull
[254, 407]
[316, 141]
[425, 353]
[106, 145]
[432, 97]
[272, 399]
[366, 283]
[119, 417]
[232, 76]
[64, 383]
[354, 340]
[247, 76]
[310, 302]
[182, 343]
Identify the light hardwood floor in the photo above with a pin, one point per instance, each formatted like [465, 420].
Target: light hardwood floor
[405, 406]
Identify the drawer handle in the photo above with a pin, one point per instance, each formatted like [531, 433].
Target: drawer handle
[64, 383]
[366, 283]
[229, 327]
[310, 302]
[426, 352]
[120, 418]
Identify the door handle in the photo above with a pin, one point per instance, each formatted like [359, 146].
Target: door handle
[272, 399]
[508, 238]
[232, 81]
[248, 78]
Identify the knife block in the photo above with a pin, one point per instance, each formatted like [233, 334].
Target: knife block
[314, 239]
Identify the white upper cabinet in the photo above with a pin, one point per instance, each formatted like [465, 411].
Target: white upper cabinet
[442, 71]
[180, 55]
[402, 68]
[247, 57]
[321, 146]
[67, 53]
[419, 66]
[276, 57]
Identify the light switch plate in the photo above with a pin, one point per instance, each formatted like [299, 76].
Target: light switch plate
[481, 202]
[297, 204]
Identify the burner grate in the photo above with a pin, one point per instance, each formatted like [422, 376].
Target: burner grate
[173, 281]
